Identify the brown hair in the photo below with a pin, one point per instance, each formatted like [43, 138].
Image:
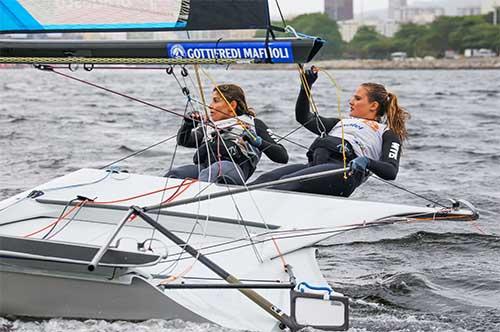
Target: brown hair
[234, 92]
[389, 108]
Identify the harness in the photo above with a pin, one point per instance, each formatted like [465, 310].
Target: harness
[224, 142]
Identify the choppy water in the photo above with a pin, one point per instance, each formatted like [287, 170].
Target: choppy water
[421, 277]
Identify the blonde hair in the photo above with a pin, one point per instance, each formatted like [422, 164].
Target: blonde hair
[233, 92]
[389, 108]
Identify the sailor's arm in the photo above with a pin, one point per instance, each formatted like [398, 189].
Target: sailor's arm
[188, 136]
[272, 149]
[314, 123]
[388, 166]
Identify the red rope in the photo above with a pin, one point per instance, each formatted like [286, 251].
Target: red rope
[57, 220]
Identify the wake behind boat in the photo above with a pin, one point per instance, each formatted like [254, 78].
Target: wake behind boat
[109, 244]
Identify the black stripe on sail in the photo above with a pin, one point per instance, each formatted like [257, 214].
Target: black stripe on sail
[185, 9]
[228, 14]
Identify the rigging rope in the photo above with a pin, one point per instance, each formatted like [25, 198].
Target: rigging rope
[314, 108]
[139, 152]
[51, 69]
[337, 92]
[281, 14]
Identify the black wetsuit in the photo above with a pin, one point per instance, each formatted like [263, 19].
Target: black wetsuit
[326, 154]
[188, 137]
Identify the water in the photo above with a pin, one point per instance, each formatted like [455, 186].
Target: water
[420, 277]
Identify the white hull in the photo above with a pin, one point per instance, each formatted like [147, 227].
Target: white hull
[282, 227]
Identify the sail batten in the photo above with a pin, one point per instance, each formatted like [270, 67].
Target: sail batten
[45, 16]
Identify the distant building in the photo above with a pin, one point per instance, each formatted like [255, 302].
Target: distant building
[420, 15]
[395, 8]
[349, 28]
[489, 6]
[468, 11]
[400, 12]
[339, 10]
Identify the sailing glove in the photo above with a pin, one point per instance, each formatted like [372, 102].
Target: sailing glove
[192, 115]
[311, 75]
[359, 164]
[251, 137]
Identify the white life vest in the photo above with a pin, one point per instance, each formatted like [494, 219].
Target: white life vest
[365, 136]
[232, 129]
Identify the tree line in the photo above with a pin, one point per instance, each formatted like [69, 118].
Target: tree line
[455, 33]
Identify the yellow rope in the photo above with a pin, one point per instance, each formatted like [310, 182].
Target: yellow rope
[337, 91]
[241, 123]
[200, 86]
[308, 90]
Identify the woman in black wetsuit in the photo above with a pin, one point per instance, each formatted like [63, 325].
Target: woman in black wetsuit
[229, 144]
[373, 136]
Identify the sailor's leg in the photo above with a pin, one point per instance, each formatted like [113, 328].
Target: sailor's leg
[334, 185]
[182, 172]
[278, 173]
[321, 156]
[223, 172]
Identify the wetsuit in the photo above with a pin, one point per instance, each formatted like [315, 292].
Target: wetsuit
[362, 138]
[213, 161]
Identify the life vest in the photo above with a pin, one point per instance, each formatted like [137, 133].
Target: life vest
[334, 147]
[365, 136]
[224, 138]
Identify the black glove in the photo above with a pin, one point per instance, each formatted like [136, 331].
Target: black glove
[251, 137]
[359, 164]
[193, 115]
[311, 75]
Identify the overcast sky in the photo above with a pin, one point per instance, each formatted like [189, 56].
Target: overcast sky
[294, 7]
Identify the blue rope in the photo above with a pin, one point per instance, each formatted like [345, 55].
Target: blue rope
[303, 285]
[109, 171]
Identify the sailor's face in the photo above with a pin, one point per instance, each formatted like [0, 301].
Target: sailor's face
[219, 108]
[361, 106]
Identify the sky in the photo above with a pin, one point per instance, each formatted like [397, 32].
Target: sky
[294, 7]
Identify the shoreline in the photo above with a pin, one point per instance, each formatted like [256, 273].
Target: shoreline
[408, 64]
[414, 64]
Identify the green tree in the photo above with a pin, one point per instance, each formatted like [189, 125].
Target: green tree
[318, 25]
[445, 33]
[410, 39]
[368, 43]
[483, 36]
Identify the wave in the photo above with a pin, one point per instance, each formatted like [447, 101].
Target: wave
[125, 148]
[488, 92]
[429, 237]
[490, 116]
[17, 119]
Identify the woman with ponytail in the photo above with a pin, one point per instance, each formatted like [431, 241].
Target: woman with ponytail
[229, 142]
[370, 140]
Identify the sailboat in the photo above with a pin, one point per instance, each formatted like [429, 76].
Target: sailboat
[108, 244]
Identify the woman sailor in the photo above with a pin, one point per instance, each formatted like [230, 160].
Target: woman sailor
[372, 138]
[230, 144]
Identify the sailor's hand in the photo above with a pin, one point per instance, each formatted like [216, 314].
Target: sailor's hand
[359, 164]
[311, 75]
[251, 137]
[193, 116]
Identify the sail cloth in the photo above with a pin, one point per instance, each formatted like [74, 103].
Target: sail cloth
[34, 16]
